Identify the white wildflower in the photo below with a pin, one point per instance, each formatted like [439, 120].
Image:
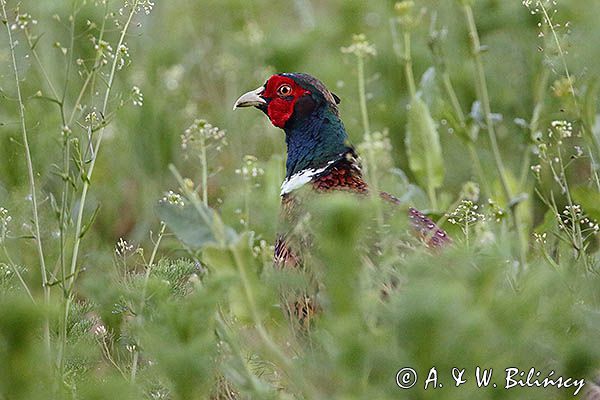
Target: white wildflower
[562, 127]
[360, 47]
[173, 198]
[137, 96]
[5, 219]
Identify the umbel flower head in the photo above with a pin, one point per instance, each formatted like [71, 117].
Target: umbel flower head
[4, 221]
[203, 134]
[360, 47]
[465, 214]
[249, 169]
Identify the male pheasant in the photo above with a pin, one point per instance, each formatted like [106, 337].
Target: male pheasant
[318, 155]
[318, 151]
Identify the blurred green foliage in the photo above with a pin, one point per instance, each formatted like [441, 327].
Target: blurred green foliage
[193, 311]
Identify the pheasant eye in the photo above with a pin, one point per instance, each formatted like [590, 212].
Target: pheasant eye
[284, 90]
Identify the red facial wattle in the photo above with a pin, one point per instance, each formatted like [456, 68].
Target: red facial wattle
[282, 93]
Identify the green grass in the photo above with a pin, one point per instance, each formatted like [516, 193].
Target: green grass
[138, 213]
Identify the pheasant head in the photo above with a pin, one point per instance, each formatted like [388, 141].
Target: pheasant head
[308, 113]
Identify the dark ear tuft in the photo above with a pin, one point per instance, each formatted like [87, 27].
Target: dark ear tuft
[336, 98]
[304, 106]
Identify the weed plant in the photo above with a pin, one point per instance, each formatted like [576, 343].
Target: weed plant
[136, 253]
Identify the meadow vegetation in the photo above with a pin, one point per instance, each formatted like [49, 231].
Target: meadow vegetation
[138, 213]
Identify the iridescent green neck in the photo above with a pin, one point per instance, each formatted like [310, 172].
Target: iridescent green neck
[314, 140]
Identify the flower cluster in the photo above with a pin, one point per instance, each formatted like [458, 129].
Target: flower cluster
[99, 330]
[540, 237]
[562, 87]
[404, 7]
[93, 118]
[470, 191]
[202, 134]
[249, 169]
[406, 16]
[22, 21]
[6, 273]
[496, 212]
[360, 47]
[551, 151]
[262, 247]
[465, 214]
[137, 96]
[376, 141]
[59, 46]
[536, 6]
[159, 394]
[377, 147]
[104, 50]
[9, 274]
[173, 198]
[5, 219]
[563, 128]
[123, 248]
[139, 5]
[145, 5]
[572, 216]
[123, 54]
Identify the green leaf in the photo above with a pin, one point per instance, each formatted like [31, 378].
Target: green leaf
[236, 264]
[423, 146]
[86, 227]
[194, 224]
[589, 116]
[589, 200]
[219, 260]
[429, 91]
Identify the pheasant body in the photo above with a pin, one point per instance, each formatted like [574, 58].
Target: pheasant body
[318, 150]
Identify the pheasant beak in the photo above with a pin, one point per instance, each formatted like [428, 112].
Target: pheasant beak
[252, 98]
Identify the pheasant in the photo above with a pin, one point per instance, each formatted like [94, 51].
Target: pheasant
[318, 154]
[318, 151]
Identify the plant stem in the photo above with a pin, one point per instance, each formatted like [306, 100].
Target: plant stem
[31, 176]
[408, 70]
[150, 264]
[449, 88]
[275, 352]
[410, 79]
[534, 123]
[66, 158]
[64, 203]
[481, 84]
[485, 100]
[36, 57]
[470, 133]
[144, 290]
[204, 163]
[371, 162]
[223, 332]
[17, 273]
[134, 364]
[214, 222]
[406, 56]
[362, 95]
[560, 50]
[270, 345]
[96, 148]
[69, 284]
